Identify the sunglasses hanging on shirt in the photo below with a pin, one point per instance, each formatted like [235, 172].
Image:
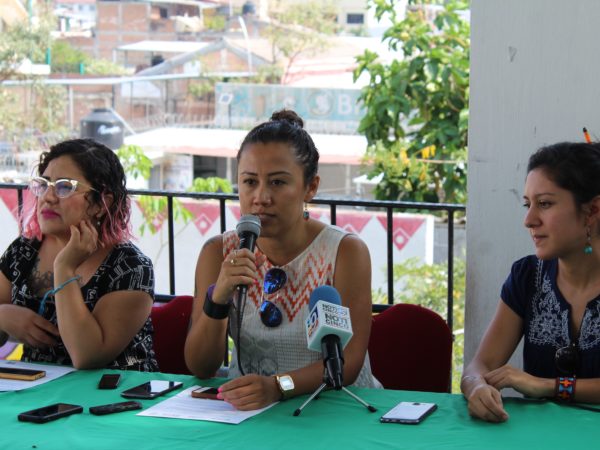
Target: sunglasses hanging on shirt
[566, 359]
[270, 314]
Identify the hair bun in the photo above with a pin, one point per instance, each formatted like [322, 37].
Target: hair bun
[289, 116]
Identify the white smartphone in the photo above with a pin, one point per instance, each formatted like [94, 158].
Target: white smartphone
[408, 412]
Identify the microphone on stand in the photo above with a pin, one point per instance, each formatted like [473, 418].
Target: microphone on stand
[328, 330]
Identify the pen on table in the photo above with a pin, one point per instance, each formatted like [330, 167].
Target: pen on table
[586, 135]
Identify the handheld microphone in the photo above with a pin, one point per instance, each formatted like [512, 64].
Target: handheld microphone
[328, 330]
[248, 230]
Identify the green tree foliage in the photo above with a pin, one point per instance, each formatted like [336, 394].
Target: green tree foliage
[202, 88]
[154, 209]
[214, 22]
[299, 29]
[211, 184]
[66, 58]
[35, 108]
[44, 104]
[64, 54]
[135, 163]
[98, 66]
[417, 108]
[268, 74]
[32, 109]
[426, 285]
[47, 109]
[20, 42]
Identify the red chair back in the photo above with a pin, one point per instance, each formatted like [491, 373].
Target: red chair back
[410, 348]
[171, 323]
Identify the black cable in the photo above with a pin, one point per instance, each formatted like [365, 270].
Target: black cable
[240, 315]
[580, 406]
[551, 400]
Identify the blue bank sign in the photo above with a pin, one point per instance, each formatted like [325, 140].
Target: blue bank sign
[323, 110]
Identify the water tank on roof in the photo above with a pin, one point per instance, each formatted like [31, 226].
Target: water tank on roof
[104, 126]
[157, 59]
[248, 8]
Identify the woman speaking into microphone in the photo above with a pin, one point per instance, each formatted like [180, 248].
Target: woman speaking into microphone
[294, 254]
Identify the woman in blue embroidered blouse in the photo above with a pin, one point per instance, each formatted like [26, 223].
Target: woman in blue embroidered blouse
[73, 289]
[552, 298]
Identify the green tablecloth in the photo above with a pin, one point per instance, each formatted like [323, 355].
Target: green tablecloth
[335, 421]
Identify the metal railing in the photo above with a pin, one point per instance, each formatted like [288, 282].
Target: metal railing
[388, 206]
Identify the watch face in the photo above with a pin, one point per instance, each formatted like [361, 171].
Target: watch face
[286, 383]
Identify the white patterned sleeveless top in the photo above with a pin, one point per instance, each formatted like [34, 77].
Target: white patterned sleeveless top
[268, 351]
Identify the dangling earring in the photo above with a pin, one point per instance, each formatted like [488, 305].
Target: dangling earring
[306, 214]
[98, 221]
[588, 248]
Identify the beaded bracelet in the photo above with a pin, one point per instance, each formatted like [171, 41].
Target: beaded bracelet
[565, 389]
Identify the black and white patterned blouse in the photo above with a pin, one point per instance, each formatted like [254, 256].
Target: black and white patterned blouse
[125, 268]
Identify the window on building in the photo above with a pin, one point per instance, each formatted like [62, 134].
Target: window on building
[355, 19]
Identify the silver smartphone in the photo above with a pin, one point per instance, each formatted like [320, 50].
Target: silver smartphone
[408, 412]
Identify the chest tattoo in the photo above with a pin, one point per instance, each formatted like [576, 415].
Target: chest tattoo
[40, 282]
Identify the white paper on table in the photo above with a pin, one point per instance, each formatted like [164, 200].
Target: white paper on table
[184, 406]
[52, 373]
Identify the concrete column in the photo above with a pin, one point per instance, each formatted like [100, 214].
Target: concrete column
[534, 81]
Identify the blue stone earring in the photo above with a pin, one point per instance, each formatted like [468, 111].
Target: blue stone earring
[588, 248]
[306, 214]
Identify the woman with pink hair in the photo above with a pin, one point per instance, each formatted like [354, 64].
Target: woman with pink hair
[73, 288]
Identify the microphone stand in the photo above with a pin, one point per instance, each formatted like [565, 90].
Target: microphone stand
[328, 383]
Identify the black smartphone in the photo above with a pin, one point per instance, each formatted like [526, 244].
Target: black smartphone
[206, 392]
[109, 381]
[115, 408]
[408, 412]
[17, 373]
[151, 389]
[48, 413]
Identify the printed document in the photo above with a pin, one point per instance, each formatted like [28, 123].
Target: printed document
[184, 406]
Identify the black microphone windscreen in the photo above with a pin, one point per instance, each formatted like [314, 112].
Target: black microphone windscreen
[248, 223]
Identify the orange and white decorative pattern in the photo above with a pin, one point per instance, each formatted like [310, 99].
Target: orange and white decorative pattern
[312, 268]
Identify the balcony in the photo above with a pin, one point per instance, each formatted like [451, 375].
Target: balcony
[334, 206]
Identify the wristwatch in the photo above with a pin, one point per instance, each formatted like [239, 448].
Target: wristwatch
[285, 383]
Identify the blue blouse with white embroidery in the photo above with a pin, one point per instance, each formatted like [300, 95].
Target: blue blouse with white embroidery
[531, 291]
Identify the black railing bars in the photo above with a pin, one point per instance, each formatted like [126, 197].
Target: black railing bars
[388, 206]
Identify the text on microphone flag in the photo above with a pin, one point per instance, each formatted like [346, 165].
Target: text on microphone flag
[334, 320]
[331, 308]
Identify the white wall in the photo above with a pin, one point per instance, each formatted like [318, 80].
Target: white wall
[535, 80]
